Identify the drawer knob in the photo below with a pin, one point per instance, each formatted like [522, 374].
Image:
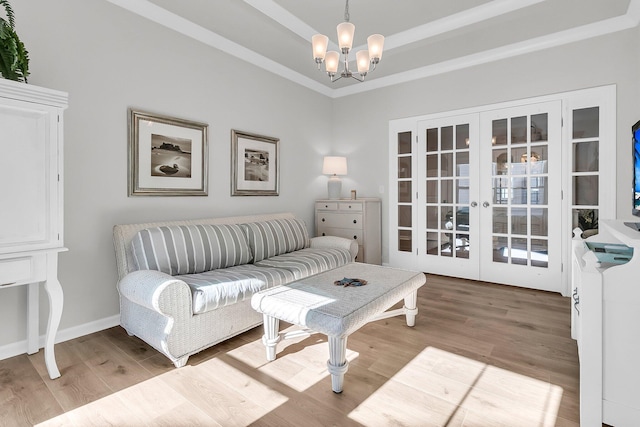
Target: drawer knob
[355, 221]
[323, 234]
[326, 206]
[322, 219]
[349, 206]
[355, 237]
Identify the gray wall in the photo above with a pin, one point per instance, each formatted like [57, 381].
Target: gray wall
[109, 59]
[612, 59]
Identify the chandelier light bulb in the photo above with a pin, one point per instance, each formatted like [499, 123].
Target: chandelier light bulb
[331, 61]
[362, 59]
[346, 31]
[319, 43]
[375, 43]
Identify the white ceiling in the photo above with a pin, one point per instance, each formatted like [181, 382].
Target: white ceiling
[422, 38]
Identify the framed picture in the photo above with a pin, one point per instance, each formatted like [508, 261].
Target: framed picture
[254, 164]
[167, 156]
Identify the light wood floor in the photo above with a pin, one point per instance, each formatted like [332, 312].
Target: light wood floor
[479, 355]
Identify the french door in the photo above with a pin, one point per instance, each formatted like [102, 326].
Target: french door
[489, 196]
[447, 160]
[521, 196]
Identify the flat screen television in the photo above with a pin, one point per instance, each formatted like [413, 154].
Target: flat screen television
[635, 129]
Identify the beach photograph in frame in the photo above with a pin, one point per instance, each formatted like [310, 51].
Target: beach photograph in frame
[254, 164]
[167, 156]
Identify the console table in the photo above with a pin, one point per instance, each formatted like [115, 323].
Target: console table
[31, 220]
[606, 323]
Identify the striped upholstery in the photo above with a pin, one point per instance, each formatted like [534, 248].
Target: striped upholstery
[218, 288]
[307, 262]
[275, 237]
[186, 249]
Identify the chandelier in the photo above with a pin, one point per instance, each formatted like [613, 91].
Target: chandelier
[364, 59]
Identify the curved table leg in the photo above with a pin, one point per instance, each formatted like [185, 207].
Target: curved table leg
[337, 364]
[56, 301]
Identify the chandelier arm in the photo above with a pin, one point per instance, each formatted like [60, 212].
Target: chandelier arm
[345, 61]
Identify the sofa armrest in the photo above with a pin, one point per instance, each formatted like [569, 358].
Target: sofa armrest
[157, 291]
[336, 242]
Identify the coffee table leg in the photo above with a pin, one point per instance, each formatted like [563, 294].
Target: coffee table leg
[271, 335]
[410, 307]
[337, 364]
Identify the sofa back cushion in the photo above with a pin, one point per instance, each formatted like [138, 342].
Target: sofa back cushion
[275, 237]
[188, 249]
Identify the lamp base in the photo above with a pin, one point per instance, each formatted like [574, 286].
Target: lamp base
[334, 187]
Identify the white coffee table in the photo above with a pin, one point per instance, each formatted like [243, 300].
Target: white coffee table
[318, 305]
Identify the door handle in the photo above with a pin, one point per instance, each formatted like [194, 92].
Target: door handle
[485, 204]
[474, 204]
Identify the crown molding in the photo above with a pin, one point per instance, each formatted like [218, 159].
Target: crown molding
[22, 91]
[494, 8]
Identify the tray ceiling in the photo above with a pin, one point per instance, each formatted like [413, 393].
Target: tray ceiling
[422, 38]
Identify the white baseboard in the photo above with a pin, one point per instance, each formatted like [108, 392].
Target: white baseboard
[20, 347]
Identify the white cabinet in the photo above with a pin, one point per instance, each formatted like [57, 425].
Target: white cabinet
[31, 191]
[357, 219]
[606, 323]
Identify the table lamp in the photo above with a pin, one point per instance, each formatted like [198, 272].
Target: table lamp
[334, 166]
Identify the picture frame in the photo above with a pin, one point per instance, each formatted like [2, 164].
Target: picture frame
[255, 164]
[167, 156]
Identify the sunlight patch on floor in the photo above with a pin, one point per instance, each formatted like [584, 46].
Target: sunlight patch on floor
[300, 362]
[192, 395]
[442, 388]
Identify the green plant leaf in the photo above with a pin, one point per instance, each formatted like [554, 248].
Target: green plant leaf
[14, 58]
[9, 12]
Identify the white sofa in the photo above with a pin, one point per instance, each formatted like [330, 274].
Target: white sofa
[187, 285]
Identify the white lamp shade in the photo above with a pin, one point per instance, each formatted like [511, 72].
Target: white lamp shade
[375, 44]
[319, 43]
[331, 61]
[362, 58]
[345, 35]
[333, 165]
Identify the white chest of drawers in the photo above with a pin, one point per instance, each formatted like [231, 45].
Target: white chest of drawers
[353, 219]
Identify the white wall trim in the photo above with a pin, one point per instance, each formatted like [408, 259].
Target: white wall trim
[20, 347]
[177, 23]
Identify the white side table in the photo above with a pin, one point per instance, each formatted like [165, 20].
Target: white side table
[31, 269]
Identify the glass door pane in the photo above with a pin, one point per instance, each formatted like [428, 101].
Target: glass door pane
[446, 153]
[585, 169]
[405, 192]
[522, 155]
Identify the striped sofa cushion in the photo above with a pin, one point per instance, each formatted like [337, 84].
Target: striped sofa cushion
[275, 237]
[307, 262]
[187, 249]
[219, 288]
